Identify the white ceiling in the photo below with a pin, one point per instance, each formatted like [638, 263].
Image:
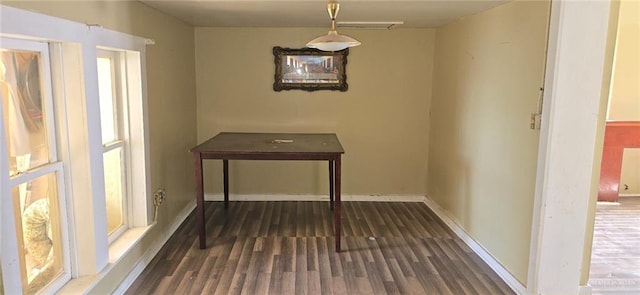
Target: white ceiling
[313, 13]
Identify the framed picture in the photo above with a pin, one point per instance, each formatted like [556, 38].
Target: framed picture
[310, 69]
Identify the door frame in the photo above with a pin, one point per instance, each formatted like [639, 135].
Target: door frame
[577, 79]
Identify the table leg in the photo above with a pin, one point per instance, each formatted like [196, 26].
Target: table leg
[225, 171]
[197, 162]
[336, 212]
[331, 183]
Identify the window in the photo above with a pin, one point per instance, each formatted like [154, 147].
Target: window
[114, 139]
[35, 177]
[73, 143]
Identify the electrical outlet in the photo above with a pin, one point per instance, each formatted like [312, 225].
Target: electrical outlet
[535, 121]
[159, 196]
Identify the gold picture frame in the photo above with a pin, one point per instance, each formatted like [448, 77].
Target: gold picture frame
[310, 69]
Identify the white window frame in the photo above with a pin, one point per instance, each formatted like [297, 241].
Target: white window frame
[121, 99]
[73, 48]
[11, 266]
[140, 200]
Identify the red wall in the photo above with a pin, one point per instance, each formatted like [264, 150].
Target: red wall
[618, 135]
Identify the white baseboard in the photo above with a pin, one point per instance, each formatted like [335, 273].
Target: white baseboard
[509, 279]
[585, 290]
[628, 195]
[345, 198]
[157, 245]
[151, 252]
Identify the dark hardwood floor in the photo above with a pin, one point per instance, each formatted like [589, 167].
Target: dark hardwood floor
[615, 255]
[287, 248]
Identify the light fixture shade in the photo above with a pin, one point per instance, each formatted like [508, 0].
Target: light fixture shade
[333, 42]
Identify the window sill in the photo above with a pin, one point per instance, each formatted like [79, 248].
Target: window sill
[120, 247]
[117, 251]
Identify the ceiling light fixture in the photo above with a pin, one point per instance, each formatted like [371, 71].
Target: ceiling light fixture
[333, 41]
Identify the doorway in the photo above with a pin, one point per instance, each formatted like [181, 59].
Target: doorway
[615, 255]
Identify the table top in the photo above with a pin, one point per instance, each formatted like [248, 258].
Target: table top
[232, 142]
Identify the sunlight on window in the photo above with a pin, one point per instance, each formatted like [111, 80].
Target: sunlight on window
[113, 188]
[113, 145]
[23, 110]
[107, 100]
[40, 247]
[35, 196]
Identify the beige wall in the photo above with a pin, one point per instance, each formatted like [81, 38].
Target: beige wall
[624, 102]
[382, 120]
[630, 172]
[482, 154]
[488, 69]
[171, 101]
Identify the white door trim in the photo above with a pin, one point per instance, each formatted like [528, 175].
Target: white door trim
[576, 85]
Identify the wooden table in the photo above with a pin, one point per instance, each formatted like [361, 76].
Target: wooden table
[268, 146]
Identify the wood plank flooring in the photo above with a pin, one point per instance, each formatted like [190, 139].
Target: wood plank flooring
[615, 255]
[287, 248]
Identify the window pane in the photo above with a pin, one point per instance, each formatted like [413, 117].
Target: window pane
[22, 105]
[107, 100]
[38, 228]
[114, 189]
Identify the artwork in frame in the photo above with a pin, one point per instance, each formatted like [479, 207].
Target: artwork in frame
[310, 69]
